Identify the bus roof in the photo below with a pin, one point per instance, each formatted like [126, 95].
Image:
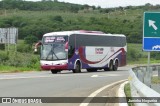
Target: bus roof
[81, 32]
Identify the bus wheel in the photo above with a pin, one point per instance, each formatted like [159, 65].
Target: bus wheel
[111, 65]
[78, 68]
[54, 71]
[115, 67]
[89, 70]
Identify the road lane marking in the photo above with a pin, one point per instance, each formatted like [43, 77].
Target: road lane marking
[106, 75]
[27, 77]
[98, 91]
[121, 93]
[94, 76]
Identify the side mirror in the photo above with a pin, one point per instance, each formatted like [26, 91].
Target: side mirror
[36, 46]
[35, 50]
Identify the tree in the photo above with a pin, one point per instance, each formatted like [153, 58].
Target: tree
[30, 39]
[58, 18]
[99, 7]
[74, 9]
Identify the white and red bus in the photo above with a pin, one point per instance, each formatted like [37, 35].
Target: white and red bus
[76, 50]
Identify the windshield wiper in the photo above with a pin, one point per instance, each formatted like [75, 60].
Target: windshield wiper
[52, 52]
[55, 54]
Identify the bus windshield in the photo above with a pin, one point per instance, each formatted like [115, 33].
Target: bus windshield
[53, 48]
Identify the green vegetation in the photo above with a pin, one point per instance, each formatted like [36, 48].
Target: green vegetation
[135, 55]
[16, 61]
[22, 60]
[127, 91]
[37, 18]
[155, 80]
[33, 19]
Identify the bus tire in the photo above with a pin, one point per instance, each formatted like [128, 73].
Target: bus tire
[77, 68]
[115, 67]
[89, 70]
[111, 65]
[54, 71]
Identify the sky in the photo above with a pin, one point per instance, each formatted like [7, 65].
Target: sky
[110, 3]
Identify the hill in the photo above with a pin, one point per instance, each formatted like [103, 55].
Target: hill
[37, 18]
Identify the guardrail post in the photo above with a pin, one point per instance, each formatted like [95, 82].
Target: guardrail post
[140, 75]
[148, 76]
[159, 72]
[144, 70]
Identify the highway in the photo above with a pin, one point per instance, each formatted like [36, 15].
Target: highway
[64, 84]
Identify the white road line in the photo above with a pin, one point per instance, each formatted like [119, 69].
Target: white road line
[121, 93]
[94, 76]
[25, 77]
[86, 101]
[105, 75]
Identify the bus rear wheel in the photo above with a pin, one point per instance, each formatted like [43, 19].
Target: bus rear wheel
[111, 65]
[54, 71]
[115, 67]
[77, 68]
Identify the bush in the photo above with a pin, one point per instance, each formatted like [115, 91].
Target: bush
[25, 60]
[2, 46]
[3, 57]
[24, 48]
[58, 18]
[30, 39]
[155, 55]
[133, 55]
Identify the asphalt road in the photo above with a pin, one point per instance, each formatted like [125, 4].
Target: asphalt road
[64, 84]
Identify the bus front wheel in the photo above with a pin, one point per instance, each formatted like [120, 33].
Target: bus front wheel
[54, 71]
[115, 67]
[77, 68]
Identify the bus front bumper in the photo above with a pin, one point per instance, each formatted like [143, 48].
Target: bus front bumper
[54, 67]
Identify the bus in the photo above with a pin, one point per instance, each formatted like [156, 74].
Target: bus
[81, 49]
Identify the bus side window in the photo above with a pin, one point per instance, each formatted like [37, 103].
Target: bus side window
[69, 47]
[71, 51]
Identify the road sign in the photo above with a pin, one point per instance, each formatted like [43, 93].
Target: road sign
[8, 35]
[151, 31]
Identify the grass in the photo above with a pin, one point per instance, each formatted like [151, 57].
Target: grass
[12, 69]
[141, 56]
[155, 80]
[12, 61]
[127, 91]
[130, 14]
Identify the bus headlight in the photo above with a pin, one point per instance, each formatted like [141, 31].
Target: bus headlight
[63, 63]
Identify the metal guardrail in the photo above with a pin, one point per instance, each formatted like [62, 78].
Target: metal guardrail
[140, 83]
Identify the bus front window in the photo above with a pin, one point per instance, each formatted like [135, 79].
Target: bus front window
[55, 51]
